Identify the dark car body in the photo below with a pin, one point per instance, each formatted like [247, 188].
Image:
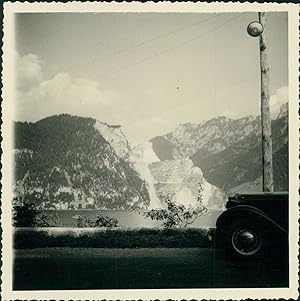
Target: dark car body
[254, 223]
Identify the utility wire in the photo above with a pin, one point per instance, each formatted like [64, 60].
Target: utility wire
[116, 53]
[175, 47]
[157, 37]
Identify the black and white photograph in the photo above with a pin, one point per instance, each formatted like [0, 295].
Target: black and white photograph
[150, 151]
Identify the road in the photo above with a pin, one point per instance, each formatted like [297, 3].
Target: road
[88, 268]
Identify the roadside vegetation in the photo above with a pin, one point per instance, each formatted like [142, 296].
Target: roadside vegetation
[106, 232]
[112, 238]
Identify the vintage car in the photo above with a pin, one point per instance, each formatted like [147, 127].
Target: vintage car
[254, 224]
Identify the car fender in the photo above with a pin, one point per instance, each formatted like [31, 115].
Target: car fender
[247, 210]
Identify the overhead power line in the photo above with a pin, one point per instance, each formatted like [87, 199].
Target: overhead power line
[139, 44]
[176, 46]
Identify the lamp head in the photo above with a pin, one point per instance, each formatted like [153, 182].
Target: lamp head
[255, 29]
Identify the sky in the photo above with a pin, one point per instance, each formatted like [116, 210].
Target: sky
[147, 72]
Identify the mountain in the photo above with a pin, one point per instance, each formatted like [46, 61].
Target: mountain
[228, 151]
[69, 162]
[66, 162]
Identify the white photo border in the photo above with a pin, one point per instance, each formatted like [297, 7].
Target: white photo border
[7, 135]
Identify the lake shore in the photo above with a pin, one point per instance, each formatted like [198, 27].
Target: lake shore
[127, 218]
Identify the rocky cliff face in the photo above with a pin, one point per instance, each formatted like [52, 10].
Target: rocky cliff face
[180, 180]
[115, 137]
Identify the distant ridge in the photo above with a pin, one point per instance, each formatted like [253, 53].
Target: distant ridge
[228, 151]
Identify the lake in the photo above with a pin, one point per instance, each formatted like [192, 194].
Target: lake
[128, 218]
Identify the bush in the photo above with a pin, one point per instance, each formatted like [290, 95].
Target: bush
[26, 215]
[83, 221]
[106, 221]
[176, 215]
[101, 221]
[48, 220]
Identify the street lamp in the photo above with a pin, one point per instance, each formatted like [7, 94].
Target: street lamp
[256, 29]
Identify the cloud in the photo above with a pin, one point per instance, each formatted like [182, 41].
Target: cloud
[38, 98]
[277, 100]
[28, 71]
[229, 114]
[143, 130]
[63, 89]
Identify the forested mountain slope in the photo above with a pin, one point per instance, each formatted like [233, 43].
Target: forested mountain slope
[65, 162]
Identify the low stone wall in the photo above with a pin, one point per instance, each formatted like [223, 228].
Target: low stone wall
[28, 238]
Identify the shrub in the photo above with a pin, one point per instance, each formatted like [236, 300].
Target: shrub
[83, 222]
[176, 215]
[48, 220]
[106, 221]
[26, 215]
[101, 221]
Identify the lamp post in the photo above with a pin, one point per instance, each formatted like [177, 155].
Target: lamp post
[256, 29]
